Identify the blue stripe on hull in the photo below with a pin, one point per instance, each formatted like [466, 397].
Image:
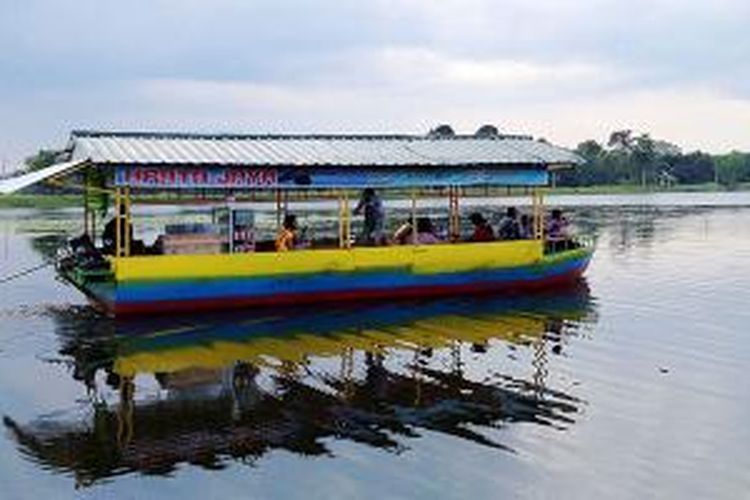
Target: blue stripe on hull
[333, 282]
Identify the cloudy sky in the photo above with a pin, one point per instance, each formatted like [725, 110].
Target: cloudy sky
[566, 70]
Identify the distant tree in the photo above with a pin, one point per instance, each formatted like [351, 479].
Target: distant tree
[590, 172]
[590, 150]
[441, 131]
[630, 158]
[644, 157]
[43, 159]
[692, 168]
[621, 139]
[731, 168]
[487, 131]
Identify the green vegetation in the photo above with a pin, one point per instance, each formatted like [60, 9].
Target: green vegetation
[40, 201]
[43, 159]
[631, 160]
[707, 187]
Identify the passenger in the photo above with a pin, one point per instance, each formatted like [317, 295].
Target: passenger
[558, 236]
[286, 239]
[372, 207]
[509, 226]
[109, 236]
[85, 253]
[426, 232]
[557, 226]
[482, 229]
[526, 231]
[402, 235]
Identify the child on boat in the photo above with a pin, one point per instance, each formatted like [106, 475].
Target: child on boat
[285, 241]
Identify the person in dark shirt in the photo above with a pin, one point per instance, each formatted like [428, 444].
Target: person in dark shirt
[558, 231]
[371, 206]
[509, 227]
[482, 229]
[557, 226]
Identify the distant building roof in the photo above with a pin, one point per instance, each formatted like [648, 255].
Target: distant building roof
[314, 150]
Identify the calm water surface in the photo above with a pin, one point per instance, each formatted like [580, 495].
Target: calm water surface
[631, 385]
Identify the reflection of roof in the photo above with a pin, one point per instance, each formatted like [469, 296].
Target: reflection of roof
[313, 150]
[380, 408]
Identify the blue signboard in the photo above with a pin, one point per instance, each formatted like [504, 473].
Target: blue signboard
[279, 178]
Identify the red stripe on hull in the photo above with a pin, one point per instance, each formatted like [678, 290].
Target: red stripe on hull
[344, 296]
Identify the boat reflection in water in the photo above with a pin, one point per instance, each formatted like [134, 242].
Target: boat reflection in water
[206, 391]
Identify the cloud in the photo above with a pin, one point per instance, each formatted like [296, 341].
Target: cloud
[701, 117]
[565, 70]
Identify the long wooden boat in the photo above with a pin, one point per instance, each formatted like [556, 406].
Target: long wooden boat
[153, 284]
[230, 166]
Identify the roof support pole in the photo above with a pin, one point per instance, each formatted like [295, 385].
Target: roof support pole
[341, 225]
[128, 224]
[540, 365]
[278, 211]
[538, 207]
[454, 221]
[414, 238]
[118, 223]
[86, 210]
[345, 221]
[125, 411]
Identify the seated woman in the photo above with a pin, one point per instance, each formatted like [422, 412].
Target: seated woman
[482, 229]
[402, 235]
[286, 239]
[426, 234]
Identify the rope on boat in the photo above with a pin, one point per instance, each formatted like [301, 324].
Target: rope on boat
[25, 272]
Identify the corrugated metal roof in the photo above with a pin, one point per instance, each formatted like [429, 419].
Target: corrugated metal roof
[13, 184]
[313, 150]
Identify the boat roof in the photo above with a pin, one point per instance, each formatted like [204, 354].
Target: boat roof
[347, 160]
[314, 150]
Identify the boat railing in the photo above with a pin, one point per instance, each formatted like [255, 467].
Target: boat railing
[574, 242]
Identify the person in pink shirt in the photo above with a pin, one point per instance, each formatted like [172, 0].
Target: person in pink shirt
[426, 232]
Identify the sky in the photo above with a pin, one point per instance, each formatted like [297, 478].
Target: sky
[565, 70]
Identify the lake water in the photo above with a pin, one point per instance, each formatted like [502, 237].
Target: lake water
[628, 386]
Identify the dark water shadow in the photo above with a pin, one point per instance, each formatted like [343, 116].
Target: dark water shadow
[233, 387]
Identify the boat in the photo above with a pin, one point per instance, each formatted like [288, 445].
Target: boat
[225, 264]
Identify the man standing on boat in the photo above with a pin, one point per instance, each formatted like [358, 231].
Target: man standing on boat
[372, 206]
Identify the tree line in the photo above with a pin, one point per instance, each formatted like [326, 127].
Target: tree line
[627, 158]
